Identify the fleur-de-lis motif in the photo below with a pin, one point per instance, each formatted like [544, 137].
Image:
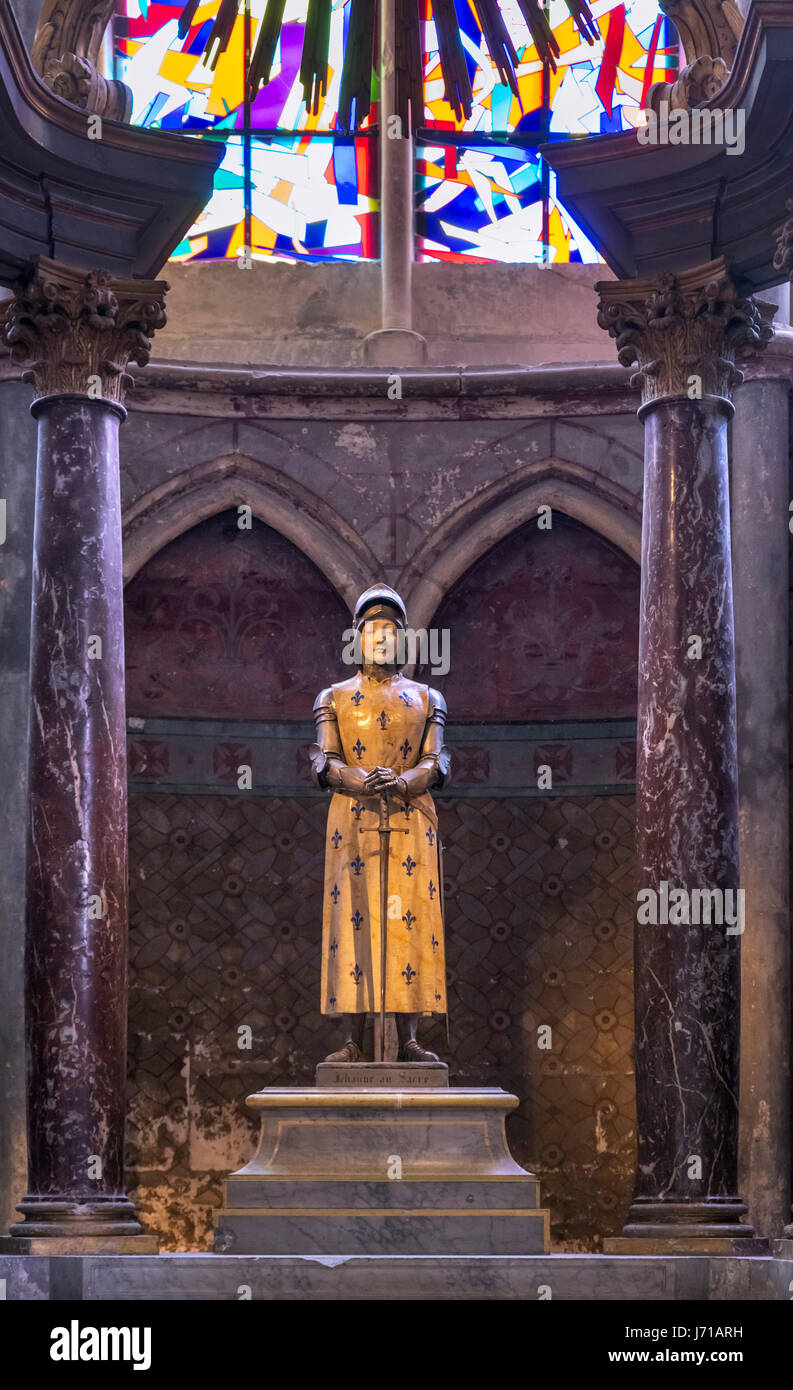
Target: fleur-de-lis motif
[435, 944]
[335, 893]
[336, 838]
[409, 864]
[359, 749]
[332, 1001]
[357, 973]
[408, 918]
[334, 946]
[437, 997]
[357, 697]
[404, 696]
[356, 919]
[356, 865]
[430, 835]
[383, 719]
[432, 890]
[358, 806]
[409, 974]
[408, 811]
[405, 748]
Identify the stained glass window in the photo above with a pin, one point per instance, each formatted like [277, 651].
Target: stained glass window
[483, 193]
[287, 186]
[291, 187]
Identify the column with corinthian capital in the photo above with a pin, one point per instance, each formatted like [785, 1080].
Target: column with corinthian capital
[76, 333]
[683, 334]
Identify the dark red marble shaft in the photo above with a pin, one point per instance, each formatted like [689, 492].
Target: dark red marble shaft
[76, 992]
[687, 976]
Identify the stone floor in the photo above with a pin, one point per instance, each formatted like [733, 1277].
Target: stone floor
[349, 1277]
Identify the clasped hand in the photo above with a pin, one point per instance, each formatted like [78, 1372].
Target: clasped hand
[382, 779]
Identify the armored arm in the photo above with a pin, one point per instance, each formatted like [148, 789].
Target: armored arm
[433, 767]
[327, 757]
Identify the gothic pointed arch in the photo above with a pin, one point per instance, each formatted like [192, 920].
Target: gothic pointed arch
[478, 524]
[232, 480]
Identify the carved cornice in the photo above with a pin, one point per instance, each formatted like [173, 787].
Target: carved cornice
[76, 333]
[683, 332]
[66, 54]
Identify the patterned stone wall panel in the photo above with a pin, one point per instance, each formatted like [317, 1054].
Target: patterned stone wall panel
[224, 998]
[547, 622]
[230, 622]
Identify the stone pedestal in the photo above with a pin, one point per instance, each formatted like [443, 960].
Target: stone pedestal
[382, 1170]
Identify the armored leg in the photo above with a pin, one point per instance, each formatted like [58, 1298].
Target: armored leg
[409, 1049]
[352, 1049]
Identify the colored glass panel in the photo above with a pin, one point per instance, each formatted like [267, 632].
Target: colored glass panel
[485, 198]
[175, 88]
[310, 195]
[313, 198]
[484, 202]
[594, 89]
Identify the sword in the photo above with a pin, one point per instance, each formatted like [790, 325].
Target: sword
[384, 829]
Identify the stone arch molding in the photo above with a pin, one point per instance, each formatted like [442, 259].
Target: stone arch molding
[178, 504]
[477, 525]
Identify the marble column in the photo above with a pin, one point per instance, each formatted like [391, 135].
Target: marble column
[77, 332]
[683, 333]
[760, 491]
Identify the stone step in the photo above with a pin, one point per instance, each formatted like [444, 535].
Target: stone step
[381, 1232]
[516, 1194]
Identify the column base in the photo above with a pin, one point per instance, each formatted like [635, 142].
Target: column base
[394, 347]
[710, 1227]
[91, 1217]
[79, 1245]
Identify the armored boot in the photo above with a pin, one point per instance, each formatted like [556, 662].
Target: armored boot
[352, 1051]
[409, 1049]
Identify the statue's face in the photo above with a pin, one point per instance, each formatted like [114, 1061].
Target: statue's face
[379, 642]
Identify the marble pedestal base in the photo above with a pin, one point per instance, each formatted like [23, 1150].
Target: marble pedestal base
[382, 1171]
[389, 1279]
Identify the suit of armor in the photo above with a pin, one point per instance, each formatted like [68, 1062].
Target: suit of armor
[380, 732]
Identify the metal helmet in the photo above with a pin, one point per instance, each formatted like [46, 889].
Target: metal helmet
[380, 596]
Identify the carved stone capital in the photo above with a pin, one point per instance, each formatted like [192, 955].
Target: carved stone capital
[76, 331]
[683, 332]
